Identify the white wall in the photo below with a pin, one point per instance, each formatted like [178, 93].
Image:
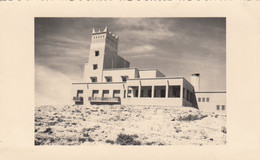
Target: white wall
[215, 98]
[147, 73]
[117, 73]
[150, 73]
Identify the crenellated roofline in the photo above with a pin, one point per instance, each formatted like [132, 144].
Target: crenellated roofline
[94, 32]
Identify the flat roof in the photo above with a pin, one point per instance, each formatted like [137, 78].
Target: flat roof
[109, 69]
[156, 78]
[99, 83]
[210, 92]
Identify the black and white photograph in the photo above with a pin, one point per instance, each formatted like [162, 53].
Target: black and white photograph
[130, 81]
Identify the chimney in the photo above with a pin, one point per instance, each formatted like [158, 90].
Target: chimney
[195, 81]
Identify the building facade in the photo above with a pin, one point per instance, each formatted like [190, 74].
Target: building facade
[109, 79]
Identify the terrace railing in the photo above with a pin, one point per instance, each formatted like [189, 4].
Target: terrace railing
[78, 99]
[104, 99]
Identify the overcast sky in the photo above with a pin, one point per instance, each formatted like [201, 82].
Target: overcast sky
[175, 46]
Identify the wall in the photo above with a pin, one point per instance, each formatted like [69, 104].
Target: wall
[215, 98]
[117, 73]
[159, 74]
[150, 73]
[97, 44]
[152, 101]
[189, 87]
[147, 73]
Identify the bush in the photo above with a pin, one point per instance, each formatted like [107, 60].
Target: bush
[125, 139]
[224, 129]
[110, 141]
[82, 140]
[190, 117]
[91, 139]
[48, 130]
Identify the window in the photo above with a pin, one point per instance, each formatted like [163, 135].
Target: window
[142, 93]
[124, 78]
[129, 93]
[146, 91]
[150, 93]
[159, 91]
[116, 93]
[93, 79]
[79, 92]
[207, 99]
[95, 66]
[223, 107]
[105, 93]
[133, 91]
[217, 107]
[96, 53]
[136, 93]
[203, 99]
[108, 79]
[174, 91]
[188, 95]
[199, 99]
[95, 93]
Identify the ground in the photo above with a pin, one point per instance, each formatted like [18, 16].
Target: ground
[127, 125]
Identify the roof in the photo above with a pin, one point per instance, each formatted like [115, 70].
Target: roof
[210, 92]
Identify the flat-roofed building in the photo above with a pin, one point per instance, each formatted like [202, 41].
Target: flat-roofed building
[109, 79]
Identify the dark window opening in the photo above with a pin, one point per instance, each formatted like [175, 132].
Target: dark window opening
[116, 93]
[217, 107]
[95, 93]
[203, 99]
[79, 92]
[136, 93]
[124, 78]
[146, 91]
[149, 93]
[95, 66]
[223, 107]
[188, 95]
[93, 79]
[105, 93]
[96, 53]
[159, 91]
[133, 91]
[108, 79]
[207, 99]
[142, 93]
[199, 99]
[174, 91]
[162, 93]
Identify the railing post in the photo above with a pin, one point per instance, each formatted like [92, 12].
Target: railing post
[167, 89]
[152, 96]
[139, 89]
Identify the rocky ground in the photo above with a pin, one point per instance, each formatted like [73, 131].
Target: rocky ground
[127, 125]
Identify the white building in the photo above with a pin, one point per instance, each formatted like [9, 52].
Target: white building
[109, 79]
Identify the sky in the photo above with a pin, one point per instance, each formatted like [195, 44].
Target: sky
[175, 46]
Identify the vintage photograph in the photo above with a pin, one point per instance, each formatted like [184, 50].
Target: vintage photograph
[130, 81]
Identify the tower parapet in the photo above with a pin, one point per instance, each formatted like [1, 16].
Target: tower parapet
[103, 55]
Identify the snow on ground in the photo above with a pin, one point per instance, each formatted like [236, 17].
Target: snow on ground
[127, 125]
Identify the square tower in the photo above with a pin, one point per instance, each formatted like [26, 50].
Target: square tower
[102, 55]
